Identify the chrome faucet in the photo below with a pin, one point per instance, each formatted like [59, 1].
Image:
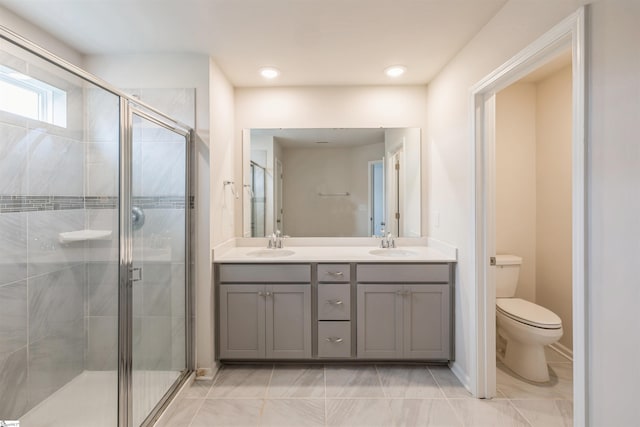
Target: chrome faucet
[387, 241]
[276, 240]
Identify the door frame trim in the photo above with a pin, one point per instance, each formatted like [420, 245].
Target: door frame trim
[570, 32]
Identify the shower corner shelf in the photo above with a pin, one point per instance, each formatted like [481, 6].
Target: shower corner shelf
[83, 235]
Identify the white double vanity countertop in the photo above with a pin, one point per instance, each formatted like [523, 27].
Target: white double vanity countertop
[334, 250]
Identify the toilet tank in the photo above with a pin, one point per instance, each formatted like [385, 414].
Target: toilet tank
[507, 272]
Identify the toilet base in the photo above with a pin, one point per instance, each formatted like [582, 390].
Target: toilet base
[528, 361]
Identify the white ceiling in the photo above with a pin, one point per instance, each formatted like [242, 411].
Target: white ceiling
[313, 42]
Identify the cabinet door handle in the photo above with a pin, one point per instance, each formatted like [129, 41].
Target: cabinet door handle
[268, 294]
[336, 273]
[261, 293]
[335, 302]
[335, 339]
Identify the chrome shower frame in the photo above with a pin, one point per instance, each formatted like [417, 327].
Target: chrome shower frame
[129, 105]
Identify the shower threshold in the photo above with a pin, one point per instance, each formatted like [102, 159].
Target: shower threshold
[91, 399]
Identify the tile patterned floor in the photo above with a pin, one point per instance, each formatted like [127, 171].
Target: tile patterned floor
[369, 395]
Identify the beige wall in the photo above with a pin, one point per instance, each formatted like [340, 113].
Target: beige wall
[612, 169]
[223, 204]
[516, 181]
[613, 245]
[553, 195]
[330, 107]
[308, 171]
[533, 190]
[450, 154]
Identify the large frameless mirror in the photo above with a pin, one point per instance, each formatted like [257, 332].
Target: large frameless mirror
[347, 182]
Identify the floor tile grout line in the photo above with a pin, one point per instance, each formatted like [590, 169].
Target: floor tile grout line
[385, 396]
[520, 413]
[447, 398]
[437, 382]
[324, 377]
[266, 389]
[214, 381]
[384, 391]
[197, 412]
[456, 413]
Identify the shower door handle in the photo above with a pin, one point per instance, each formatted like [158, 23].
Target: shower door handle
[135, 274]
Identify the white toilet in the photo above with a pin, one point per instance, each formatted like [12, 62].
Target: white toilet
[524, 326]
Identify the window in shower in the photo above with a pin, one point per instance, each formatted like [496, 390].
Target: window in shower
[29, 97]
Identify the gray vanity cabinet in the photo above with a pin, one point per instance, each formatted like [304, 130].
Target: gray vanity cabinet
[407, 320]
[258, 321]
[380, 317]
[323, 311]
[242, 321]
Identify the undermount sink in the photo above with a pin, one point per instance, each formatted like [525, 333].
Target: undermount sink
[393, 252]
[270, 253]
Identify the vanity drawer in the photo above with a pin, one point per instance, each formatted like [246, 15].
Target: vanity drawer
[334, 339]
[334, 272]
[334, 302]
[403, 273]
[265, 273]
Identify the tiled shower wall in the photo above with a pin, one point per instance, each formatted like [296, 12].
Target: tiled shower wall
[42, 281]
[58, 301]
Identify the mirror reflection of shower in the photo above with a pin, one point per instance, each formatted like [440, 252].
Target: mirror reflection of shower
[258, 200]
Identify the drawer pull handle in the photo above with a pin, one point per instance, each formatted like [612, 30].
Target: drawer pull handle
[334, 339]
[264, 294]
[335, 302]
[336, 273]
[403, 292]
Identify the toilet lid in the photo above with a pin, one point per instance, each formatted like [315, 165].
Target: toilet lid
[528, 313]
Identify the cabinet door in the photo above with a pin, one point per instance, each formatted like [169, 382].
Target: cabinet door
[288, 316]
[242, 315]
[379, 321]
[426, 321]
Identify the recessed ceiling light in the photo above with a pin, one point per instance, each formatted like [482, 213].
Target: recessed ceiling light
[395, 70]
[269, 72]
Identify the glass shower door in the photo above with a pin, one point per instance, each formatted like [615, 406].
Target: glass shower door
[159, 206]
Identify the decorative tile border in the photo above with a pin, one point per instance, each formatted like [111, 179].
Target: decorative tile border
[39, 203]
[14, 204]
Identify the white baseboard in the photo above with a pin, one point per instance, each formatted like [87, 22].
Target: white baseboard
[206, 373]
[462, 376]
[564, 351]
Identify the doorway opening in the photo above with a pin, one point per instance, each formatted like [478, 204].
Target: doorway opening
[568, 35]
[533, 223]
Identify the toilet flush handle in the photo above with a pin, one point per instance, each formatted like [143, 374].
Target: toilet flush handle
[492, 260]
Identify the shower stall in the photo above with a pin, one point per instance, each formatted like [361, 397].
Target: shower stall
[95, 291]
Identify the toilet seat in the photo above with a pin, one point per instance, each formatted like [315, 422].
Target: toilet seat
[528, 313]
